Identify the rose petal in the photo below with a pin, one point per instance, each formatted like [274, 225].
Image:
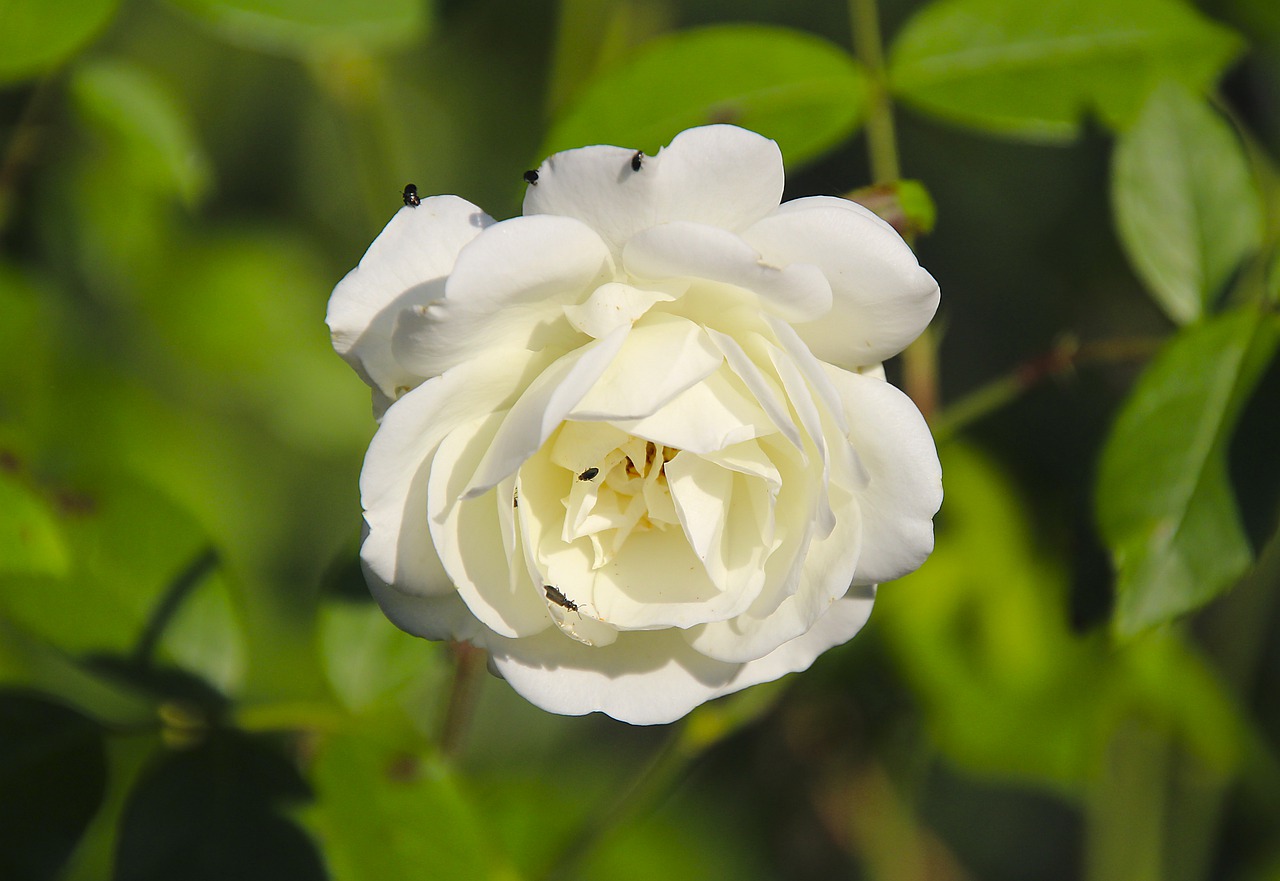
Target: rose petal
[905, 479]
[406, 266]
[709, 416]
[882, 298]
[507, 290]
[839, 624]
[663, 356]
[393, 483]
[468, 536]
[542, 407]
[679, 249]
[614, 304]
[719, 175]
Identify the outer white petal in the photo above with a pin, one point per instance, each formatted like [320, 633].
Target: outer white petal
[838, 625]
[393, 483]
[719, 175]
[882, 298]
[905, 479]
[404, 267]
[645, 678]
[796, 292]
[508, 289]
[439, 617]
[654, 677]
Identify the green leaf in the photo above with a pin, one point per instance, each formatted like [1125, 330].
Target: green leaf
[147, 124]
[1033, 69]
[370, 660]
[36, 35]
[307, 28]
[1164, 502]
[53, 771]
[30, 541]
[1007, 687]
[1187, 208]
[802, 91]
[385, 813]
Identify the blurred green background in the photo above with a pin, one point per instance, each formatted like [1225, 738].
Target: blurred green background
[1082, 681]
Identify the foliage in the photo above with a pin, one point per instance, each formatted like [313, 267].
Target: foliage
[1080, 682]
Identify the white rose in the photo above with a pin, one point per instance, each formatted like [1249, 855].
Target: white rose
[637, 443]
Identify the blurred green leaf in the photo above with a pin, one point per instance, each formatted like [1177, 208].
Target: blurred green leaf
[126, 543]
[383, 812]
[1007, 689]
[1186, 206]
[1164, 501]
[53, 771]
[307, 29]
[802, 91]
[146, 122]
[30, 540]
[1032, 70]
[370, 660]
[36, 35]
[211, 812]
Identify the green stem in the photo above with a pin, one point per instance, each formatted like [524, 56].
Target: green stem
[179, 589]
[650, 785]
[1062, 358]
[468, 664]
[882, 140]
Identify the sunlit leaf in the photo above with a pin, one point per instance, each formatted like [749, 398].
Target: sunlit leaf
[36, 35]
[30, 540]
[52, 779]
[1186, 206]
[1164, 500]
[382, 813]
[306, 28]
[1033, 70]
[799, 90]
[369, 660]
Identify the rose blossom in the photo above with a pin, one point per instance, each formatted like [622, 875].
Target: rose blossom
[637, 442]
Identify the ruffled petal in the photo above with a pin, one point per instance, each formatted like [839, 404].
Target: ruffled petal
[882, 298]
[661, 358]
[679, 249]
[904, 479]
[393, 483]
[508, 290]
[718, 175]
[406, 266]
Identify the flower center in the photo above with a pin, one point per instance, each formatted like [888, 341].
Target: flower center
[616, 486]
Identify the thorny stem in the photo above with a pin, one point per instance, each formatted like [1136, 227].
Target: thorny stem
[468, 664]
[179, 589]
[1067, 355]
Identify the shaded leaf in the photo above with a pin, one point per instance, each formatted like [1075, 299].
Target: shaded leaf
[1032, 70]
[36, 35]
[1164, 501]
[53, 771]
[212, 812]
[802, 91]
[1186, 206]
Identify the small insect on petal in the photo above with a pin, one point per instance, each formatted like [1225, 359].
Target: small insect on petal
[531, 177]
[589, 474]
[554, 594]
[411, 196]
[636, 160]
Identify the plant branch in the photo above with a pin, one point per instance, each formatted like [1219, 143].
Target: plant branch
[468, 663]
[162, 615]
